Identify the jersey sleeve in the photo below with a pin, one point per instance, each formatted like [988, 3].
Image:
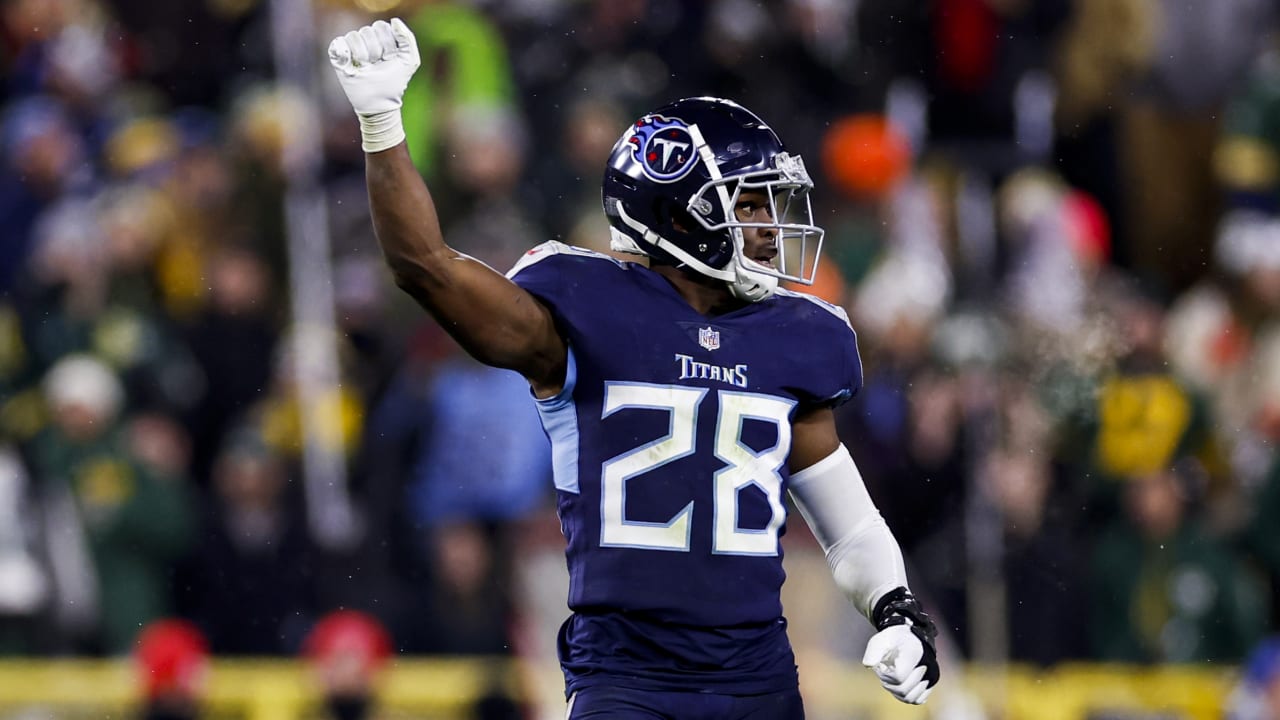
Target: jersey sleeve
[556, 274]
[849, 380]
[833, 366]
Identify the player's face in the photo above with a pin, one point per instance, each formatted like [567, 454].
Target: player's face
[759, 243]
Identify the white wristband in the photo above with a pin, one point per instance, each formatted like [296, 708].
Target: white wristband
[381, 131]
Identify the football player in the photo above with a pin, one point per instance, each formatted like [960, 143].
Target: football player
[682, 400]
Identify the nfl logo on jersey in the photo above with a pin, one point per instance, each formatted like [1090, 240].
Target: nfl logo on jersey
[709, 338]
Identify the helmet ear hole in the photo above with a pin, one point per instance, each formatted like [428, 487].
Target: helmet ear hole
[671, 215]
[682, 220]
[660, 210]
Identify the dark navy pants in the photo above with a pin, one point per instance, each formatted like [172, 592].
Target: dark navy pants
[599, 703]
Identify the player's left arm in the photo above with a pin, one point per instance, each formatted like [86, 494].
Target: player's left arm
[864, 556]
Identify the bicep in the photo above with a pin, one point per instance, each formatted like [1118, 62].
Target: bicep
[500, 323]
[813, 437]
[493, 319]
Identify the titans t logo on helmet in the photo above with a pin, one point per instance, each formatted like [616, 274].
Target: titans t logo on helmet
[663, 147]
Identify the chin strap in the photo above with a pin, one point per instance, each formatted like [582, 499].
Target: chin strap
[751, 285]
[744, 280]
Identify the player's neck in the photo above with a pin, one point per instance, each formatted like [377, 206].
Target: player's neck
[708, 296]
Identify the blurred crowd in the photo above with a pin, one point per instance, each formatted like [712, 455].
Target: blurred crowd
[1055, 225]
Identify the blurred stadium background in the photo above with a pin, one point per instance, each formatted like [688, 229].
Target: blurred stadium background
[241, 476]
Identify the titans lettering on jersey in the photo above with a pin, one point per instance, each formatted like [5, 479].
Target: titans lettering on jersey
[670, 443]
[691, 369]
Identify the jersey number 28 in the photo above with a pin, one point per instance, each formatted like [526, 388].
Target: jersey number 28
[743, 467]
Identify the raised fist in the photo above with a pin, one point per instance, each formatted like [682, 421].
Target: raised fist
[374, 65]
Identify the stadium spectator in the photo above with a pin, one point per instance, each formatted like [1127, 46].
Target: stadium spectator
[233, 339]
[1140, 417]
[1165, 590]
[249, 581]
[24, 578]
[587, 139]
[347, 651]
[172, 659]
[45, 162]
[1029, 564]
[482, 469]
[136, 522]
[475, 77]
[1170, 129]
[1042, 571]
[1223, 338]
[1262, 535]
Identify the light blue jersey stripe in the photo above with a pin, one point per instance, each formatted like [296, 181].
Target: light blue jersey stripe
[560, 420]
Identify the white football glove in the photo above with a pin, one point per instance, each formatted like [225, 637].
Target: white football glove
[374, 65]
[902, 654]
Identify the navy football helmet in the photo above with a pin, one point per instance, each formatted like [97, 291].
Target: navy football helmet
[673, 182]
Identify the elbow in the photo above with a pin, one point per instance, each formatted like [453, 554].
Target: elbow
[409, 276]
[419, 273]
[405, 277]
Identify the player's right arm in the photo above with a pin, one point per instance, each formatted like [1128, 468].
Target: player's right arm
[492, 318]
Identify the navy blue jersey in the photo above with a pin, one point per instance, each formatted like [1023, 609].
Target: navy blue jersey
[670, 443]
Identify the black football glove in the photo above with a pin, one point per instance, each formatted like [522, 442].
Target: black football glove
[902, 653]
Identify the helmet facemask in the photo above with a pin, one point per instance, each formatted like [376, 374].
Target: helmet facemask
[797, 240]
